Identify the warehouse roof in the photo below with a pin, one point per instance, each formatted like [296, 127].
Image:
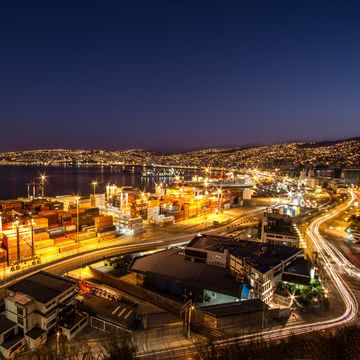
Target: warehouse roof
[42, 286]
[113, 311]
[262, 256]
[171, 264]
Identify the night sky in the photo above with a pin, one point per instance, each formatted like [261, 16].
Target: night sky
[176, 75]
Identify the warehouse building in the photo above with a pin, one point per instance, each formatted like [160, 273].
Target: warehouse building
[259, 266]
[215, 269]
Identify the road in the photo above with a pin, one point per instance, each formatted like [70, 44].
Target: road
[130, 244]
[334, 266]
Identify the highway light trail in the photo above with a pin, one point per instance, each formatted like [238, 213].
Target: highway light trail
[330, 250]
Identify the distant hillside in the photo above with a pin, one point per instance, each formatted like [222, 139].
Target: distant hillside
[339, 153]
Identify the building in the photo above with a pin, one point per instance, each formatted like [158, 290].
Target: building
[215, 269]
[98, 200]
[259, 266]
[250, 313]
[353, 230]
[36, 305]
[169, 272]
[278, 229]
[351, 176]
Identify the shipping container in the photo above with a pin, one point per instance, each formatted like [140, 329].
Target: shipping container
[67, 248]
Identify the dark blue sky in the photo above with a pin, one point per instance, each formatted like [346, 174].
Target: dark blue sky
[177, 74]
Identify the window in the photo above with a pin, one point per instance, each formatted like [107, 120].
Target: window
[20, 310]
[20, 321]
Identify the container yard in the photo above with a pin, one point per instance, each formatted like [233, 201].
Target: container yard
[34, 228]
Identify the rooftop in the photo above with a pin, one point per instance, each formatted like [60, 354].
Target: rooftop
[5, 324]
[112, 311]
[279, 224]
[20, 299]
[234, 308]
[299, 267]
[298, 272]
[35, 333]
[13, 340]
[42, 286]
[172, 264]
[262, 256]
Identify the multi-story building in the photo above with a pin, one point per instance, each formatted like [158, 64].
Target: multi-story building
[219, 266]
[258, 265]
[351, 176]
[34, 306]
[278, 229]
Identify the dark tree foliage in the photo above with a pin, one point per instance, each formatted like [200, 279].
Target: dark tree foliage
[343, 345]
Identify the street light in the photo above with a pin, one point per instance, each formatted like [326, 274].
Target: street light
[219, 193]
[42, 181]
[16, 224]
[32, 235]
[58, 342]
[77, 198]
[94, 184]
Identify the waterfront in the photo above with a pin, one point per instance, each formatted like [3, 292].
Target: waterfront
[73, 179]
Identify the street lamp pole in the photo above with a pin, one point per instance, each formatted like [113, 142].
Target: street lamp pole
[94, 184]
[190, 308]
[58, 342]
[32, 236]
[17, 239]
[77, 198]
[42, 178]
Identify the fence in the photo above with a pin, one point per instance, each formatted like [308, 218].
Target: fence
[282, 300]
[106, 326]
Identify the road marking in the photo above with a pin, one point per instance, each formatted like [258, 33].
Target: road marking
[116, 310]
[121, 312]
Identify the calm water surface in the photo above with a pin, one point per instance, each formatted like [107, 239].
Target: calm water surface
[71, 179]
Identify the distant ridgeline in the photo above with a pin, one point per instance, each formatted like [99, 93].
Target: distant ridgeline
[294, 155]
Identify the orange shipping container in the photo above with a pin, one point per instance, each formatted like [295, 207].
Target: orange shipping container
[67, 248]
[44, 243]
